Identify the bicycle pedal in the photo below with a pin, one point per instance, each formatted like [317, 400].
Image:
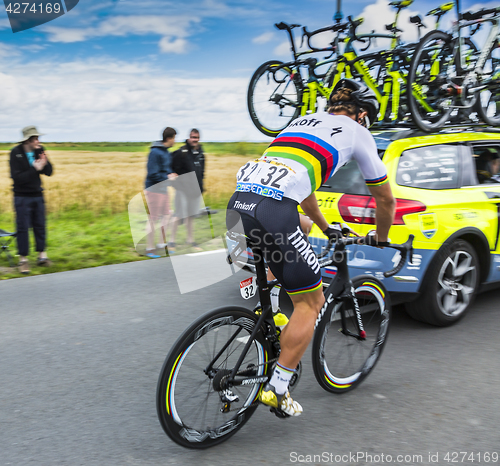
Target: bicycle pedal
[279, 413]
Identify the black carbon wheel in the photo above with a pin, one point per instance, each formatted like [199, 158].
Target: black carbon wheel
[342, 356]
[194, 407]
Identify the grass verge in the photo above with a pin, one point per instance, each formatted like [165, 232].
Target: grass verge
[80, 239]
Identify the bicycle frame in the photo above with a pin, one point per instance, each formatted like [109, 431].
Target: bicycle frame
[391, 87]
[339, 291]
[492, 36]
[265, 318]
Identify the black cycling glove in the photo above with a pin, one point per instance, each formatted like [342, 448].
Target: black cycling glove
[371, 241]
[333, 232]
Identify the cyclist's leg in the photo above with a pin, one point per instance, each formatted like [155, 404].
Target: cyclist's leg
[306, 224]
[296, 336]
[294, 341]
[293, 262]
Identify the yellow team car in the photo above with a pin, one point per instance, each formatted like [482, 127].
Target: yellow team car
[447, 196]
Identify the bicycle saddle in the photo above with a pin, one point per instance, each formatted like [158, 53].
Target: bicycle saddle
[282, 26]
[401, 3]
[441, 9]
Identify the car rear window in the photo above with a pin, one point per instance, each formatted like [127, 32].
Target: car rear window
[430, 167]
[347, 180]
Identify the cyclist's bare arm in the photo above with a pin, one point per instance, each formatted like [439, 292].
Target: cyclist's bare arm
[306, 224]
[311, 209]
[384, 213]
[374, 171]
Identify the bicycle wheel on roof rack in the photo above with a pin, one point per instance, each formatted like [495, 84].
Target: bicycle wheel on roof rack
[488, 104]
[433, 74]
[274, 97]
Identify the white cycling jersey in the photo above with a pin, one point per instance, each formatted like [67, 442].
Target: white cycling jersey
[309, 152]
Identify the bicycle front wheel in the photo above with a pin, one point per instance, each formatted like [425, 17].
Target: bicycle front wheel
[344, 349]
[433, 76]
[488, 106]
[195, 408]
[274, 97]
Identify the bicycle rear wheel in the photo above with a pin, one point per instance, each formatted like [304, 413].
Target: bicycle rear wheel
[274, 97]
[341, 357]
[432, 72]
[193, 408]
[488, 106]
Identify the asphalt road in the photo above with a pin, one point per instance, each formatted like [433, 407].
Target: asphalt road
[80, 354]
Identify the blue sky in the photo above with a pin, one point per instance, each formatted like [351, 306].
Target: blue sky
[122, 70]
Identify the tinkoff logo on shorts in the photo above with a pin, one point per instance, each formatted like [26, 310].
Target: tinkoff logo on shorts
[27, 14]
[259, 189]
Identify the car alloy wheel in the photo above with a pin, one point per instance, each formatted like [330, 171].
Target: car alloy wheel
[450, 284]
[457, 281]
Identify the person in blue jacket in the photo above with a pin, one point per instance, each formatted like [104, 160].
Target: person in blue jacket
[159, 169]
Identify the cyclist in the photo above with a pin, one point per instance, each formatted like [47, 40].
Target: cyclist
[303, 156]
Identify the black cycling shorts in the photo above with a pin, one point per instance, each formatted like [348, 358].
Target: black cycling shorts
[274, 227]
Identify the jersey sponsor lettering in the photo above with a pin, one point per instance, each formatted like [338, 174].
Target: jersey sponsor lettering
[243, 205]
[312, 122]
[259, 189]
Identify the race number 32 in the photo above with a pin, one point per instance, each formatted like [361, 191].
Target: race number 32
[248, 288]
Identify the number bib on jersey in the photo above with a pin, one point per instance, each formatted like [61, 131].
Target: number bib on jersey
[265, 177]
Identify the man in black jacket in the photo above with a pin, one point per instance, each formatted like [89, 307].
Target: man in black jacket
[27, 161]
[189, 158]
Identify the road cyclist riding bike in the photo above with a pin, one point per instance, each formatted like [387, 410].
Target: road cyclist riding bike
[269, 190]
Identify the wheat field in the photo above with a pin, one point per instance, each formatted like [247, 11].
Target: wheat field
[107, 181]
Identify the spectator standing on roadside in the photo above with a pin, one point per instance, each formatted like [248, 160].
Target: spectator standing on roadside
[189, 158]
[27, 161]
[159, 169]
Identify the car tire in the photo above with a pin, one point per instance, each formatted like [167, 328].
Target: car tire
[450, 285]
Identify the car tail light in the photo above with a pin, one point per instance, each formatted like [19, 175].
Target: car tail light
[361, 209]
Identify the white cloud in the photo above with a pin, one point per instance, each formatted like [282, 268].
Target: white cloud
[283, 50]
[263, 38]
[378, 14]
[33, 47]
[174, 30]
[169, 45]
[118, 101]
[8, 51]
[65, 35]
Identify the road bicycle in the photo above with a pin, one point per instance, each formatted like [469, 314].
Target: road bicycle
[210, 382]
[451, 75]
[278, 93]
